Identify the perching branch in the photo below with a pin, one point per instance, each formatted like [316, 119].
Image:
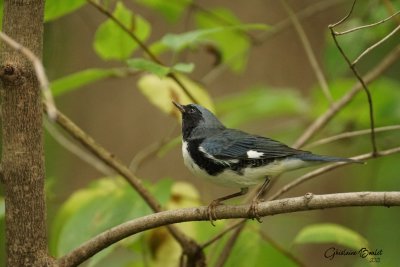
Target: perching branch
[282, 206]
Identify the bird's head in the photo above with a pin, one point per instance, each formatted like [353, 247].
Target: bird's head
[197, 121]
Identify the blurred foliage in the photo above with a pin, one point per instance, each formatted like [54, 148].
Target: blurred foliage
[76, 80]
[102, 205]
[331, 233]
[172, 10]
[110, 201]
[158, 69]
[385, 96]
[260, 102]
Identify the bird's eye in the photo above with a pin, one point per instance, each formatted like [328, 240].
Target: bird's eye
[192, 110]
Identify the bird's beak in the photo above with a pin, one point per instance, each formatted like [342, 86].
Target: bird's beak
[179, 106]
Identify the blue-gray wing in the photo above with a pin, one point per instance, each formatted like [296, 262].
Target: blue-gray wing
[234, 144]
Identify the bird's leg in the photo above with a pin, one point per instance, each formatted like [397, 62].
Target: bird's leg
[211, 208]
[253, 210]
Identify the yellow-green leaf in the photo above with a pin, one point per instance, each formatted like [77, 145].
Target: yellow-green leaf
[331, 233]
[160, 91]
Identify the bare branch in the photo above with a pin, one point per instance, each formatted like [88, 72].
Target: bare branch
[368, 25]
[351, 134]
[288, 205]
[40, 73]
[330, 167]
[309, 52]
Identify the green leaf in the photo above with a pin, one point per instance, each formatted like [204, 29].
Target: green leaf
[111, 42]
[251, 250]
[147, 65]
[172, 9]
[161, 91]
[157, 69]
[233, 43]
[178, 42]
[331, 233]
[82, 78]
[184, 67]
[55, 9]
[2, 208]
[259, 102]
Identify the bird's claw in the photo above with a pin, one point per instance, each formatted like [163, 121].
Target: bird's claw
[211, 211]
[253, 210]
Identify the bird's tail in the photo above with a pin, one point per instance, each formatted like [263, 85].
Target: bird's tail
[322, 158]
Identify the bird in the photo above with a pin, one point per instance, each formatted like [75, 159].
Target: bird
[234, 158]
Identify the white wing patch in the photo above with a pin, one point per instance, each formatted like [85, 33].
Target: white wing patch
[252, 154]
[223, 162]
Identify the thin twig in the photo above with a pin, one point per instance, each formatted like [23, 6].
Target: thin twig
[369, 49]
[345, 17]
[309, 52]
[351, 134]
[323, 119]
[142, 46]
[224, 255]
[368, 25]
[40, 73]
[306, 12]
[222, 234]
[288, 205]
[330, 167]
[360, 79]
[149, 151]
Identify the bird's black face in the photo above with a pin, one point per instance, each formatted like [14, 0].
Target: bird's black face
[191, 118]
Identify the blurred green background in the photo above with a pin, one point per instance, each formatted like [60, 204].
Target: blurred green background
[252, 70]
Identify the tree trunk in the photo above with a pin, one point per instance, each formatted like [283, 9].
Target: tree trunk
[22, 151]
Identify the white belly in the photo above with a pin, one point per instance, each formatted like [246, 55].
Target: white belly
[250, 176]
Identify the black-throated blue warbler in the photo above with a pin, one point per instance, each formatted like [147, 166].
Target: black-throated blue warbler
[233, 158]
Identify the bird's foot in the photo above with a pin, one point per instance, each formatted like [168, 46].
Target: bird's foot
[253, 210]
[211, 210]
